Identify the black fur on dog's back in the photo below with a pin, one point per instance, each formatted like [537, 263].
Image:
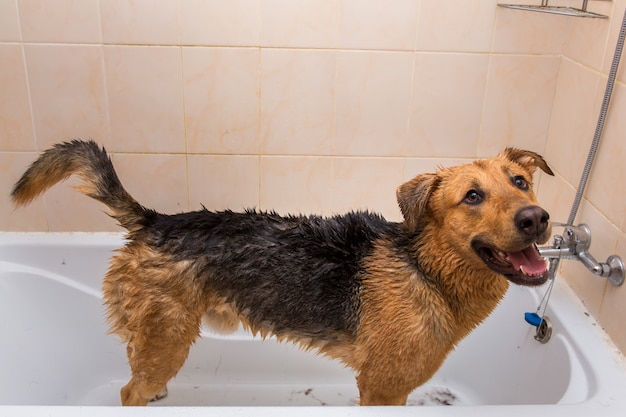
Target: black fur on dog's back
[301, 273]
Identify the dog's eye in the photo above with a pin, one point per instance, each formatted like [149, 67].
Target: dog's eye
[521, 183]
[473, 197]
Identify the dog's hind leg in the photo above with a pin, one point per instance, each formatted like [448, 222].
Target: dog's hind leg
[155, 356]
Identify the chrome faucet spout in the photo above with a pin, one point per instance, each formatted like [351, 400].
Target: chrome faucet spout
[550, 252]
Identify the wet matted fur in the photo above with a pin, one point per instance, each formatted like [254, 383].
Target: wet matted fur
[389, 300]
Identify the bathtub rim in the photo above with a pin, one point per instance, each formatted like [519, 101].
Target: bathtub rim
[572, 410]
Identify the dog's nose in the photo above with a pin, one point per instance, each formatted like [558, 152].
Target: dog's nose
[532, 220]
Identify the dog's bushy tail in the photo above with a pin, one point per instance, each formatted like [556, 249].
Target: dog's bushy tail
[99, 180]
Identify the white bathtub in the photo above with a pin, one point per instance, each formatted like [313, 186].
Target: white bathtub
[57, 359]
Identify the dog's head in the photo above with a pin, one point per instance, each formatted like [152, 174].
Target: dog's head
[486, 211]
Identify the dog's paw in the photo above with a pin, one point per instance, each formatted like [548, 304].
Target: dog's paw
[160, 395]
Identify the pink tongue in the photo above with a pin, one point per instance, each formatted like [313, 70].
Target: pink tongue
[529, 259]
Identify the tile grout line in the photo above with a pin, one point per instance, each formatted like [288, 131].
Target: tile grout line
[259, 72]
[30, 104]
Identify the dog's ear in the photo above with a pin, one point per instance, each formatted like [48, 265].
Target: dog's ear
[413, 197]
[528, 159]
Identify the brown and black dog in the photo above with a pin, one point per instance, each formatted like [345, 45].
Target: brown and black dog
[389, 300]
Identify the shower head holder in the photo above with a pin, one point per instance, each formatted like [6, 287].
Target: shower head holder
[562, 10]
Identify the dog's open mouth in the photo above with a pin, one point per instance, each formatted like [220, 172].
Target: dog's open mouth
[525, 267]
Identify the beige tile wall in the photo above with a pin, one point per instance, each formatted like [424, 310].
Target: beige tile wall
[310, 105]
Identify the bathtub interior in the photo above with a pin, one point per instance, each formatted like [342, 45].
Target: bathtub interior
[57, 351]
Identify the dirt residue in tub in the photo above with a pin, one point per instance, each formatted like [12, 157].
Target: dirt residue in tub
[435, 396]
[432, 396]
[307, 393]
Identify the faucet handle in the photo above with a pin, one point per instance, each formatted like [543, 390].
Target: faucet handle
[578, 236]
[616, 270]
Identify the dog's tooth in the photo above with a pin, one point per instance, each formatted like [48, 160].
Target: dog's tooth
[521, 268]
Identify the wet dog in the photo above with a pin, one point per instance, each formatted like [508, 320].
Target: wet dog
[389, 300]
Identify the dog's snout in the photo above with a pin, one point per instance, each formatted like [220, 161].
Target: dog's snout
[532, 220]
